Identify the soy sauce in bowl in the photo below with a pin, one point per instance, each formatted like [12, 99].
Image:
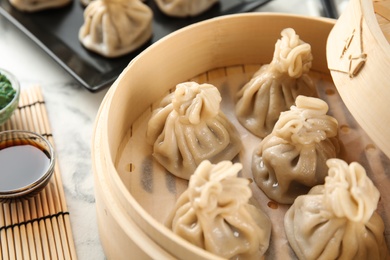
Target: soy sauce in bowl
[26, 163]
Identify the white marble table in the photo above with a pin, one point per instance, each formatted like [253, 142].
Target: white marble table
[72, 111]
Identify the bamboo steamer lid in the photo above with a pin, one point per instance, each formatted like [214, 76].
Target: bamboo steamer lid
[358, 55]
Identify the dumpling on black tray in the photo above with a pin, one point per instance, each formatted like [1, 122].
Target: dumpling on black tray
[113, 28]
[184, 8]
[38, 5]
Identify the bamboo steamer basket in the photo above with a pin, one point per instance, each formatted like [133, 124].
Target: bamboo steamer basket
[133, 193]
[119, 234]
[359, 60]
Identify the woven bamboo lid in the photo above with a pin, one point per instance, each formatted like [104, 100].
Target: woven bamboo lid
[358, 54]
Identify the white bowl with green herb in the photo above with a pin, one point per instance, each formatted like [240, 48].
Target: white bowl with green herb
[9, 95]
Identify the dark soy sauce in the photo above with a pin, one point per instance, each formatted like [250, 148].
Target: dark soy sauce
[22, 162]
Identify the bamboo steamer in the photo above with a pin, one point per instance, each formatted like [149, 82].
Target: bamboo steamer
[133, 193]
[119, 234]
[359, 60]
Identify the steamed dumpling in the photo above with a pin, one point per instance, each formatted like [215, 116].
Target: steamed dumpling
[38, 5]
[86, 2]
[292, 159]
[214, 213]
[115, 27]
[183, 8]
[338, 220]
[189, 127]
[275, 86]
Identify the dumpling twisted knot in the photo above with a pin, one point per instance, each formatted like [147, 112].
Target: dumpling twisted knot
[196, 101]
[292, 55]
[113, 28]
[215, 188]
[307, 122]
[348, 192]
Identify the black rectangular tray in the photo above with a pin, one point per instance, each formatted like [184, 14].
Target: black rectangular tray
[56, 31]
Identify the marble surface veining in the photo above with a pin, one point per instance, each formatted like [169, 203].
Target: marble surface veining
[72, 110]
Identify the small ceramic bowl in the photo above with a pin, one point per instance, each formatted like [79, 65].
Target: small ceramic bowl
[7, 111]
[27, 162]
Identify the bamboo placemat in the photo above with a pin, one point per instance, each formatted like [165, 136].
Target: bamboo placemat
[38, 227]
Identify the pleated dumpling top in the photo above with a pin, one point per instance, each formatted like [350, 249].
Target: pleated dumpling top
[38, 5]
[188, 127]
[114, 28]
[214, 213]
[338, 220]
[184, 8]
[275, 86]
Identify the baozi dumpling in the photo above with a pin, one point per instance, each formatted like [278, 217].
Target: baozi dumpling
[86, 2]
[275, 86]
[338, 220]
[292, 159]
[38, 5]
[214, 213]
[189, 127]
[115, 27]
[184, 8]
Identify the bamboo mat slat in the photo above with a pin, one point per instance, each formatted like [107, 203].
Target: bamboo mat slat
[38, 227]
